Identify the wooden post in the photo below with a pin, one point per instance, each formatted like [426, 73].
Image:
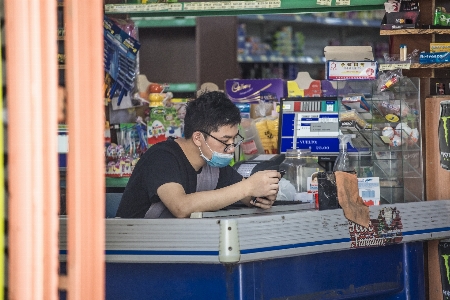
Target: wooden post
[85, 168]
[437, 180]
[32, 148]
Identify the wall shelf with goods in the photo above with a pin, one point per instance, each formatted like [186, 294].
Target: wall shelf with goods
[420, 38]
[311, 19]
[241, 58]
[280, 46]
[177, 23]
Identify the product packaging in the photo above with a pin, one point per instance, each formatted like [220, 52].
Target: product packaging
[350, 63]
[369, 190]
[254, 90]
[439, 47]
[304, 86]
[164, 122]
[252, 143]
[120, 57]
[434, 58]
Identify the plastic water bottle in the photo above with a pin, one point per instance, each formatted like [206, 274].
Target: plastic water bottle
[252, 143]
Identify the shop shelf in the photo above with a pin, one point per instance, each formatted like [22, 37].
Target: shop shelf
[310, 19]
[279, 59]
[182, 87]
[116, 181]
[414, 31]
[232, 8]
[152, 22]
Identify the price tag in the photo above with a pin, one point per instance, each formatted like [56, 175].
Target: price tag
[342, 2]
[387, 67]
[216, 6]
[189, 6]
[174, 6]
[276, 4]
[207, 5]
[250, 4]
[160, 6]
[237, 5]
[226, 5]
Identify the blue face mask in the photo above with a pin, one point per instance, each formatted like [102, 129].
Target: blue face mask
[218, 160]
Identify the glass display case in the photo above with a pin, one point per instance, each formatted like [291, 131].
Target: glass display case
[386, 123]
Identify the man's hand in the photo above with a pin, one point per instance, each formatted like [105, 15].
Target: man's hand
[264, 188]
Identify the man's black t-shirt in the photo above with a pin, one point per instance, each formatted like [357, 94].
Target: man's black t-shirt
[162, 163]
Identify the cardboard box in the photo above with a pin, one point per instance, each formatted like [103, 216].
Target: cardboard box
[304, 86]
[350, 63]
[434, 58]
[439, 47]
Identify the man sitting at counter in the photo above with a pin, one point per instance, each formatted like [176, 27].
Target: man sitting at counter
[180, 176]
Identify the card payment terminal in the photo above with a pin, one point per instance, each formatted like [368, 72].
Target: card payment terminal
[258, 163]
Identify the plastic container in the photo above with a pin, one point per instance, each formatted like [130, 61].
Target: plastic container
[252, 143]
[300, 165]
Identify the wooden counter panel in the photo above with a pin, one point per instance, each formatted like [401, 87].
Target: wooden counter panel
[437, 187]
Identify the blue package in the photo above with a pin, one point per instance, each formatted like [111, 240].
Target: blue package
[243, 107]
[434, 58]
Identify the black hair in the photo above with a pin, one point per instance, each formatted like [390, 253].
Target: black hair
[210, 111]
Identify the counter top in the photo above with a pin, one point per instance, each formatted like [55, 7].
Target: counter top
[272, 234]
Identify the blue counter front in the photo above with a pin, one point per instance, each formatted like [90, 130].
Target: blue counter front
[278, 255]
[382, 273]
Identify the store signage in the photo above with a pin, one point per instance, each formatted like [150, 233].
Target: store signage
[386, 229]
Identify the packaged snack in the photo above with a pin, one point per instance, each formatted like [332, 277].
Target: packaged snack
[389, 78]
[353, 115]
[392, 110]
[268, 132]
[356, 101]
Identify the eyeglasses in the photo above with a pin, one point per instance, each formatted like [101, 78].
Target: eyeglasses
[228, 146]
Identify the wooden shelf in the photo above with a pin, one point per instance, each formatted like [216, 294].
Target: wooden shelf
[430, 66]
[414, 31]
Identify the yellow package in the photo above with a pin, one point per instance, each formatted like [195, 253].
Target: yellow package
[268, 133]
